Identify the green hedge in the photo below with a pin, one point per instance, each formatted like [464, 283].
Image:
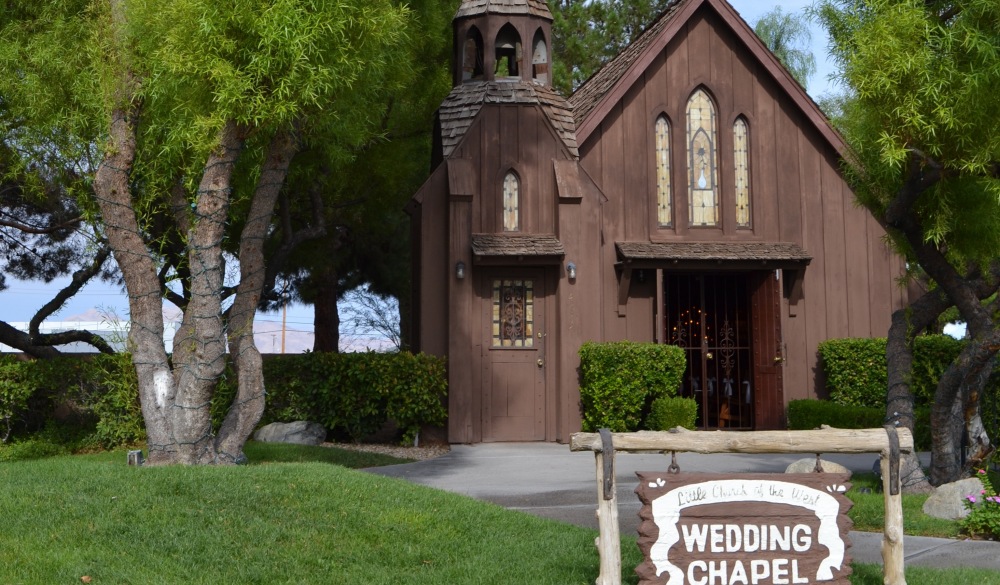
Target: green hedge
[620, 380]
[353, 395]
[856, 368]
[805, 415]
[672, 411]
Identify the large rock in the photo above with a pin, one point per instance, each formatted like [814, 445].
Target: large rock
[299, 433]
[808, 465]
[948, 500]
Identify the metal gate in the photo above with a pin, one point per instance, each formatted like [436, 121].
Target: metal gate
[708, 315]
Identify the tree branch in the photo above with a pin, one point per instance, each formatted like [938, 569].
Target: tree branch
[40, 231]
[21, 341]
[80, 278]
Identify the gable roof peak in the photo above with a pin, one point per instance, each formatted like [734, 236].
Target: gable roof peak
[506, 7]
[593, 98]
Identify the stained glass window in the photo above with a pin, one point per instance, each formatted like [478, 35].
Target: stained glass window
[513, 313]
[511, 203]
[703, 166]
[741, 149]
[663, 210]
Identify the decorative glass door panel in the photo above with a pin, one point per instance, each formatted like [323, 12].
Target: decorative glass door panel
[513, 374]
[708, 315]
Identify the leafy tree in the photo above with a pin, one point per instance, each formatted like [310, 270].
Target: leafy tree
[588, 33]
[366, 240]
[43, 236]
[197, 109]
[788, 37]
[925, 161]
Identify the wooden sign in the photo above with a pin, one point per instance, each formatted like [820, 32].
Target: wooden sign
[749, 529]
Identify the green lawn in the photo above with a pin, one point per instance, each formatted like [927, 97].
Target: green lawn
[868, 512]
[287, 522]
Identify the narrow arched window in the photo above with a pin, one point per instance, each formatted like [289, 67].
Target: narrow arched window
[472, 57]
[664, 212]
[703, 165]
[540, 59]
[741, 158]
[511, 203]
[507, 48]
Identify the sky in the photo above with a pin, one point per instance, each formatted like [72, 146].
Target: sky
[99, 301]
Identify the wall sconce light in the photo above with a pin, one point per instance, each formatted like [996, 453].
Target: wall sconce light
[571, 271]
[460, 270]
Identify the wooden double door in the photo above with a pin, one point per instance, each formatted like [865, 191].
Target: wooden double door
[729, 326]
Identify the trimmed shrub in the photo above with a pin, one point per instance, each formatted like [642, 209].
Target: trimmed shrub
[670, 412]
[620, 380]
[856, 368]
[805, 415]
[855, 371]
[15, 391]
[353, 395]
[111, 393]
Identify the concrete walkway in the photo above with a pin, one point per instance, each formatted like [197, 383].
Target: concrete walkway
[547, 480]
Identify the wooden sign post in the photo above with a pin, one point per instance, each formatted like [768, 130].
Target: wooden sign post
[889, 442]
[750, 529]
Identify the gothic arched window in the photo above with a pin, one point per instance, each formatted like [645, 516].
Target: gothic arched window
[511, 203]
[664, 211]
[540, 59]
[703, 165]
[507, 48]
[741, 158]
[472, 57]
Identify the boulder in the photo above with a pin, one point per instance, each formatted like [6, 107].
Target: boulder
[808, 465]
[299, 433]
[948, 500]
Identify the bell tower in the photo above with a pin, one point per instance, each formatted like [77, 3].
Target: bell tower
[502, 40]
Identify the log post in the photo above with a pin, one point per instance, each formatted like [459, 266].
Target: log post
[892, 539]
[609, 542]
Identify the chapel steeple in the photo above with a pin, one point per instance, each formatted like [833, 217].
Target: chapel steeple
[498, 40]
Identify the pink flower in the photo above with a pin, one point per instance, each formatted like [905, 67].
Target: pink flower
[982, 472]
[971, 498]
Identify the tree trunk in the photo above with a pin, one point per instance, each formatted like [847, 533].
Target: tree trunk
[325, 312]
[247, 408]
[899, 398]
[957, 394]
[200, 345]
[405, 323]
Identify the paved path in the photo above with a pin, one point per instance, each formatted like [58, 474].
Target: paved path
[547, 480]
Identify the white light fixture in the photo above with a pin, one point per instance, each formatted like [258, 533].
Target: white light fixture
[571, 271]
[460, 270]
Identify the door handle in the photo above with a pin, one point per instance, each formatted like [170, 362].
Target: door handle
[540, 362]
[709, 356]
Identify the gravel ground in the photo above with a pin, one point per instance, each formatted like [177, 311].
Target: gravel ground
[418, 453]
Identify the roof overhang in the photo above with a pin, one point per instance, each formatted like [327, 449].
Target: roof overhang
[712, 255]
[517, 249]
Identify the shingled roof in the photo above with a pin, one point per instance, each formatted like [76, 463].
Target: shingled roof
[477, 7]
[463, 104]
[590, 93]
[777, 253]
[516, 245]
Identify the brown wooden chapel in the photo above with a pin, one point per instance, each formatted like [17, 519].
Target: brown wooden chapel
[688, 193]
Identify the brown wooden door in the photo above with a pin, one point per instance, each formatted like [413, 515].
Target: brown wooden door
[708, 315]
[513, 400]
[768, 355]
